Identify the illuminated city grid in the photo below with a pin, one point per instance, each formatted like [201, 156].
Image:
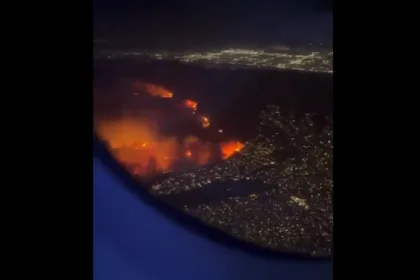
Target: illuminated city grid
[302, 60]
[292, 155]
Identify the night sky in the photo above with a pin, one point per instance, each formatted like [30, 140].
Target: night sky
[192, 23]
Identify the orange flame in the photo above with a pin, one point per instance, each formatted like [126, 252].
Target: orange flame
[231, 147]
[205, 122]
[159, 91]
[137, 143]
[202, 150]
[188, 153]
[152, 89]
[190, 104]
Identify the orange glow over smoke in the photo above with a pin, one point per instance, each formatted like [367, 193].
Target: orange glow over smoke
[198, 150]
[152, 89]
[159, 91]
[190, 104]
[188, 153]
[138, 144]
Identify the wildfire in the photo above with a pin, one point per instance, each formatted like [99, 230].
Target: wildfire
[229, 148]
[190, 104]
[188, 153]
[137, 143]
[205, 122]
[198, 150]
[140, 146]
[159, 91]
[152, 89]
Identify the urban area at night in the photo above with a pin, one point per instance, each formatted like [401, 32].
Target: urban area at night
[225, 117]
[274, 58]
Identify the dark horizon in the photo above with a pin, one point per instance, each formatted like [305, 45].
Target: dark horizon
[188, 24]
